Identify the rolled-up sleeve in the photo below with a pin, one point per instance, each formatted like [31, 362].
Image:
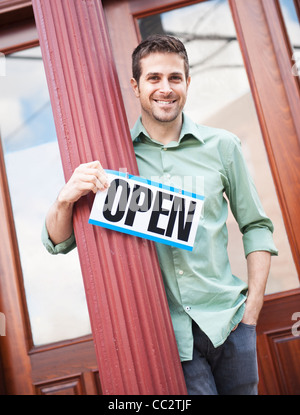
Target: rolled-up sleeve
[259, 240]
[255, 225]
[61, 248]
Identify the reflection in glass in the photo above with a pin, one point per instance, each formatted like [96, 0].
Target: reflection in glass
[219, 96]
[53, 284]
[293, 28]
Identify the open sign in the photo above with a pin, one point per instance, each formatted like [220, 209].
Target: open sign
[147, 209]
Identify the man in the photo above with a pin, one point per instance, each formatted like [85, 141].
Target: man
[214, 313]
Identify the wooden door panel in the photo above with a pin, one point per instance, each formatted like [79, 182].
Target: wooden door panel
[69, 385]
[287, 348]
[278, 346]
[84, 383]
[67, 368]
[278, 358]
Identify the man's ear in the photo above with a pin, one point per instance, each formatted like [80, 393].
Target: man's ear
[135, 87]
[188, 82]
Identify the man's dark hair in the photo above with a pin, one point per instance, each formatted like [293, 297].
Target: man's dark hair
[158, 44]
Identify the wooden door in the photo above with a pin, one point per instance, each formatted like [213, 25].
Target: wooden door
[267, 57]
[28, 364]
[69, 366]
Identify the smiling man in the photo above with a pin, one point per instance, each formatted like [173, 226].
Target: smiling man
[161, 84]
[214, 313]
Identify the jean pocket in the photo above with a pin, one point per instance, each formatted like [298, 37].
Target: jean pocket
[248, 325]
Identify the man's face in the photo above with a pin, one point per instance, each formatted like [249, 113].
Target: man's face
[162, 87]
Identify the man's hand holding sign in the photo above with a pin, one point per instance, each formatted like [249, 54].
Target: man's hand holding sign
[85, 178]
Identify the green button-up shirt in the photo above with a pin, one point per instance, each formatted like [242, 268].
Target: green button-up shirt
[199, 284]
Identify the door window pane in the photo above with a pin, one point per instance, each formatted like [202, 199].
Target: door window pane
[53, 284]
[219, 96]
[293, 28]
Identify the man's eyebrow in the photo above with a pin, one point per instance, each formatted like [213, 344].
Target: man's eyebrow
[158, 74]
[153, 74]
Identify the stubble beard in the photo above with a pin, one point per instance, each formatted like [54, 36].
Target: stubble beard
[163, 116]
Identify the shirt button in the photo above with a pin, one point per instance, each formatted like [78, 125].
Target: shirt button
[180, 272]
[165, 148]
[187, 308]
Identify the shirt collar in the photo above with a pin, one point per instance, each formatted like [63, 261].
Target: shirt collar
[189, 127]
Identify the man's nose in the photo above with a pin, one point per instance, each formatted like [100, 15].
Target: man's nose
[165, 87]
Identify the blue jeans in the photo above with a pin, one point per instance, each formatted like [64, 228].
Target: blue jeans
[230, 369]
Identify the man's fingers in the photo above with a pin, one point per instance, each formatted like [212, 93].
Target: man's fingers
[95, 163]
[92, 172]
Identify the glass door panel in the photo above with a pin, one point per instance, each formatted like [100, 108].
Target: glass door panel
[220, 96]
[53, 284]
[291, 21]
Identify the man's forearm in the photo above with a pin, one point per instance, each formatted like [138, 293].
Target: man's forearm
[59, 221]
[258, 264]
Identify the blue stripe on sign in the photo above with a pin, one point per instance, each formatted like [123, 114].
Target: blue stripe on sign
[156, 184]
[140, 234]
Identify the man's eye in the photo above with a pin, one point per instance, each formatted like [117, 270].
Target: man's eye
[176, 78]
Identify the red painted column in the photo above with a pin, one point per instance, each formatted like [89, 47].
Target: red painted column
[133, 334]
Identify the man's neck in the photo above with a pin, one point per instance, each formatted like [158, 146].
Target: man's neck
[163, 132]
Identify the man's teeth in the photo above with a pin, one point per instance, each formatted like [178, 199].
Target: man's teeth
[165, 102]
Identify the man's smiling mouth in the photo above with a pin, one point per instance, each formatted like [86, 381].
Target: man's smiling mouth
[165, 102]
